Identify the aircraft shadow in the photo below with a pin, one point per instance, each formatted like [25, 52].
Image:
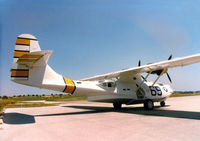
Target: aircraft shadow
[133, 110]
[18, 118]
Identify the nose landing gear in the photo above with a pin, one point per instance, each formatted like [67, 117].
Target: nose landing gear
[162, 103]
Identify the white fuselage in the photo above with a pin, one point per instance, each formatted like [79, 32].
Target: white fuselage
[123, 92]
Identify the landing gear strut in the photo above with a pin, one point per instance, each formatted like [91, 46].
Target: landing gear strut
[148, 104]
[117, 106]
[162, 103]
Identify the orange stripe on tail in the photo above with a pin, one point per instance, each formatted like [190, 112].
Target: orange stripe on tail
[18, 54]
[19, 73]
[23, 42]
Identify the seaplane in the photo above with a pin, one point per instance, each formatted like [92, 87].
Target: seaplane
[129, 86]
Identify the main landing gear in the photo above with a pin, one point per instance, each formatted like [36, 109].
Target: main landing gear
[148, 104]
[117, 106]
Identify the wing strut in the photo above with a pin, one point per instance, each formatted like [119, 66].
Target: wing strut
[144, 79]
[138, 89]
[163, 72]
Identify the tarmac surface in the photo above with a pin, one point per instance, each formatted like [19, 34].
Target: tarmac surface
[83, 121]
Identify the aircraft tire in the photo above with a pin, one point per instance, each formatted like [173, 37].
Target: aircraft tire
[117, 106]
[162, 103]
[148, 104]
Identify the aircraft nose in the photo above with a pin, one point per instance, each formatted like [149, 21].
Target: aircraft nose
[171, 90]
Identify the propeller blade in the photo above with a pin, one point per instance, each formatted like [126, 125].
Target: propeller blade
[170, 57]
[143, 78]
[169, 78]
[139, 63]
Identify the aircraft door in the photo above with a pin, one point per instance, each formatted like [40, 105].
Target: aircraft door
[140, 93]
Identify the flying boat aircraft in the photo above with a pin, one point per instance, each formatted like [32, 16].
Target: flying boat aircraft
[30, 67]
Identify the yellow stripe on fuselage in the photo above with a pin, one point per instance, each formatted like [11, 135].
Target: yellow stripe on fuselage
[23, 42]
[18, 54]
[70, 86]
[19, 73]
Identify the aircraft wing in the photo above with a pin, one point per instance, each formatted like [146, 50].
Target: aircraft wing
[131, 72]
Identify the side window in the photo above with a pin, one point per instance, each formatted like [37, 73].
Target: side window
[104, 84]
[109, 84]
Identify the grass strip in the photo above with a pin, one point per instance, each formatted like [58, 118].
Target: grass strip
[22, 104]
[184, 94]
[19, 101]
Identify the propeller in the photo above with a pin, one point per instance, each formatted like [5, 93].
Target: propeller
[159, 72]
[169, 78]
[139, 64]
[144, 78]
[170, 57]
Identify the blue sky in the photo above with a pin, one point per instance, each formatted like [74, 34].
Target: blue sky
[90, 37]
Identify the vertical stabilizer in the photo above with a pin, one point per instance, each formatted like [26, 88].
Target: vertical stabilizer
[25, 43]
[30, 67]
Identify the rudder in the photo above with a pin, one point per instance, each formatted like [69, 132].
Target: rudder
[25, 43]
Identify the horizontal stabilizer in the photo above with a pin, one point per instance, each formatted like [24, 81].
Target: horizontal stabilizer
[38, 58]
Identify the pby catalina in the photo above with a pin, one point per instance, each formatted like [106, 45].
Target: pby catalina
[121, 87]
